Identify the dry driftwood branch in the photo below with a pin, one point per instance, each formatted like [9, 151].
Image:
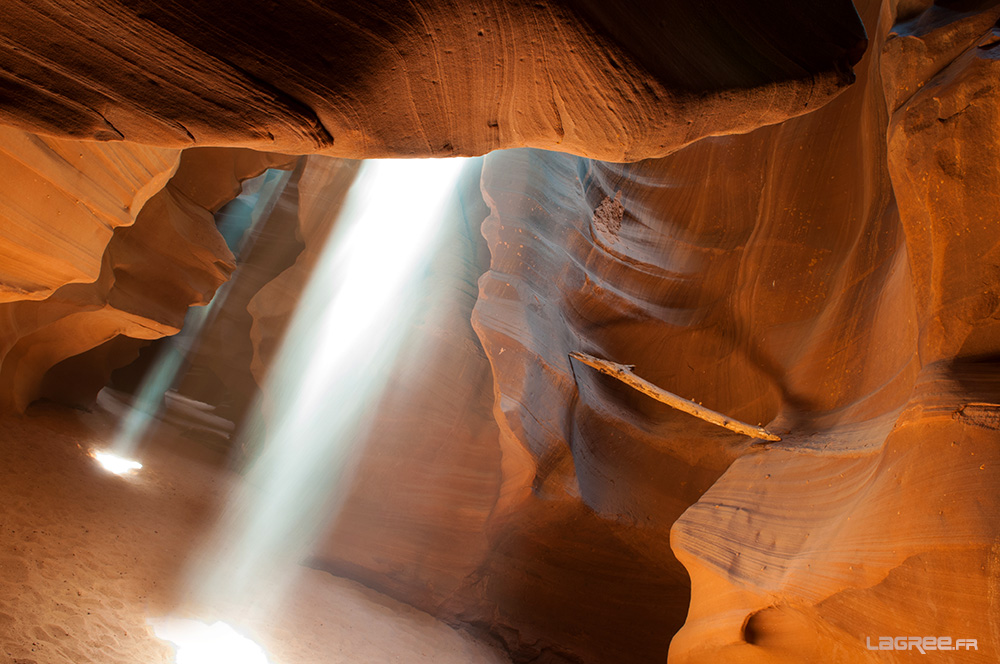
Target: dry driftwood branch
[623, 372]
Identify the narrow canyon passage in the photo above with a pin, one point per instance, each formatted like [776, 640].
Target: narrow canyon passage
[293, 301]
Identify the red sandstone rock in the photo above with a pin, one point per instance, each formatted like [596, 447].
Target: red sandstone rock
[943, 158]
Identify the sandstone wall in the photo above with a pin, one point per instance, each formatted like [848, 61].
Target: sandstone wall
[829, 271]
[135, 224]
[615, 80]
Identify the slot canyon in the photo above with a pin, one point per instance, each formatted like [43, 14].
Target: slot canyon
[300, 304]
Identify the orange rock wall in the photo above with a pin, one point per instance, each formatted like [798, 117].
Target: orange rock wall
[809, 549]
[828, 270]
[60, 201]
[143, 249]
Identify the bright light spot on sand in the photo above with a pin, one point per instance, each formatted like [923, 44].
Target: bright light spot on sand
[116, 464]
[198, 643]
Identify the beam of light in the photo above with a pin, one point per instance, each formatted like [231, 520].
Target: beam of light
[266, 189]
[323, 387]
[198, 643]
[116, 464]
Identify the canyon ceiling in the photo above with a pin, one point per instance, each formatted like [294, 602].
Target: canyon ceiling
[787, 211]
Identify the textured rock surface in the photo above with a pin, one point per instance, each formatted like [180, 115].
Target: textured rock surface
[943, 156]
[618, 80]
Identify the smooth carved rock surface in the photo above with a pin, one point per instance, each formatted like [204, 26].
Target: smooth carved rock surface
[769, 276]
[809, 549]
[833, 276]
[614, 80]
[150, 270]
[60, 201]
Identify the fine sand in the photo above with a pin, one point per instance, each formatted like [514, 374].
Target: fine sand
[88, 557]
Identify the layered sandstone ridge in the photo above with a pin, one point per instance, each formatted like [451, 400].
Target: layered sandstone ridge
[796, 554]
[614, 80]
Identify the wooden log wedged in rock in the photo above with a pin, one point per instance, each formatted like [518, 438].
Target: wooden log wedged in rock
[623, 372]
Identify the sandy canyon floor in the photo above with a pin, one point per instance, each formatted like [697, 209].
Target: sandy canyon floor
[87, 557]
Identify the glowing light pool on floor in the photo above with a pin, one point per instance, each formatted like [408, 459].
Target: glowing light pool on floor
[116, 464]
[199, 643]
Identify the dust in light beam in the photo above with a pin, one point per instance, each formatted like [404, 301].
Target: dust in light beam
[350, 327]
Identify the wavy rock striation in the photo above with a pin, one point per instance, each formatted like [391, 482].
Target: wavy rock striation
[616, 80]
[819, 545]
